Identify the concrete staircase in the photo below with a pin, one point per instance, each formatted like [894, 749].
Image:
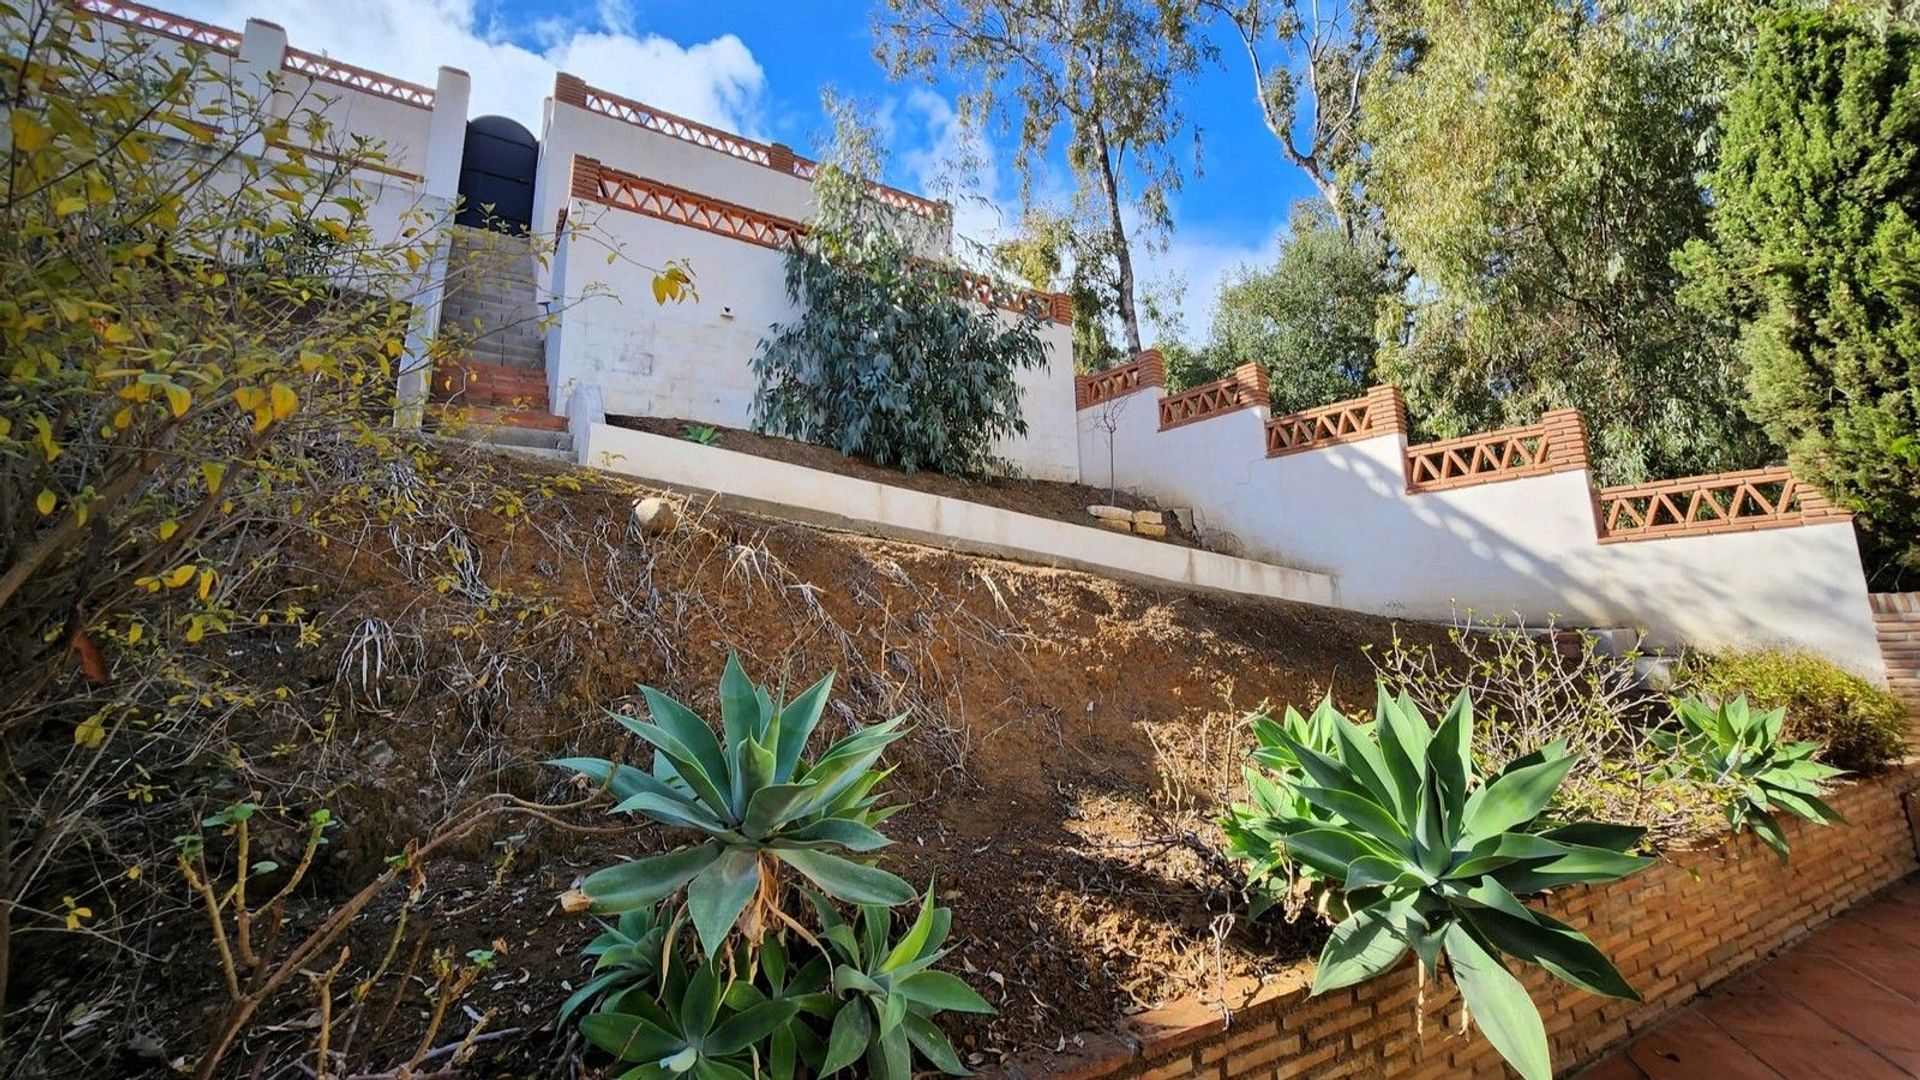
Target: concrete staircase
[497, 391]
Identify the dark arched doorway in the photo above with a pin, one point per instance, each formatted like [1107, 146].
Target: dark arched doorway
[496, 175]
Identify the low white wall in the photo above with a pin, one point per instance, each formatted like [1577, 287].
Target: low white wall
[812, 495]
[693, 360]
[1525, 547]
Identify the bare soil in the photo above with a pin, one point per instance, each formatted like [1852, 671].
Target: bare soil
[1074, 740]
[1042, 498]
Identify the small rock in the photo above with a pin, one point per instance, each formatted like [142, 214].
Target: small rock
[1149, 528]
[654, 516]
[380, 755]
[1147, 517]
[1183, 517]
[1110, 513]
[1116, 524]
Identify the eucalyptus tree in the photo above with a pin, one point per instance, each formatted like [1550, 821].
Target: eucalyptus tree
[1536, 164]
[1105, 70]
[1309, 61]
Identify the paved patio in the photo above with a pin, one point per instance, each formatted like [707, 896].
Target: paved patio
[1843, 1003]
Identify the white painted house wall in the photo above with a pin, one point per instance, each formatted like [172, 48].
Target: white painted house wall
[1525, 547]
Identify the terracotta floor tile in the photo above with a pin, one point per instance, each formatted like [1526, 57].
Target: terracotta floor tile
[1690, 1046]
[1616, 1067]
[1754, 1006]
[1822, 1059]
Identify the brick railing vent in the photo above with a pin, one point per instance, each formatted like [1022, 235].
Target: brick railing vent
[1558, 443]
[165, 22]
[604, 184]
[1382, 412]
[1245, 388]
[1704, 505]
[611, 187]
[362, 79]
[1146, 369]
[572, 90]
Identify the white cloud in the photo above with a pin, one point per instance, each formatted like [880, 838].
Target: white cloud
[1195, 262]
[717, 82]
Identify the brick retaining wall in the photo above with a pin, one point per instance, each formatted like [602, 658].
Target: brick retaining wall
[1896, 619]
[1686, 923]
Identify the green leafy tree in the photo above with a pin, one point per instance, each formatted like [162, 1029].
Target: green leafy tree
[1052, 253]
[1106, 69]
[1535, 163]
[1815, 254]
[891, 357]
[1309, 319]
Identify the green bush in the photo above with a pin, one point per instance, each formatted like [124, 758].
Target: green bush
[1740, 752]
[1860, 724]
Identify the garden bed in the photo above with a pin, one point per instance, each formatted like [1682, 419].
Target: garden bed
[1051, 499]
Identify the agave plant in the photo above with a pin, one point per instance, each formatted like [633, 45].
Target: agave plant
[889, 991]
[1732, 746]
[691, 1029]
[1433, 859]
[626, 956]
[760, 804]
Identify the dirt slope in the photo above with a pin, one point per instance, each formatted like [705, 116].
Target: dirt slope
[1073, 739]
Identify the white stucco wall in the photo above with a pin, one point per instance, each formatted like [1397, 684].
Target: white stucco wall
[1527, 546]
[880, 509]
[692, 360]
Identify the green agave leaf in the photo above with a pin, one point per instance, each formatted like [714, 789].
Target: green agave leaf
[673, 808]
[1488, 894]
[1580, 865]
[708, 1069]
[1767, 828]
[890, 1056]
[933, 1045]
[738, 1032]
[1546, 941]
[1499, 1005]
[588, 991]
[687, 768]
[1594, 834]
[844, 832]
[1363, 758]
[847, 1039]
[1330, 850]
[697, 740]
[1514, 798]
[701, 1005]
[1365, 944]
[908, 948]
[1403, 736]
[773, 806]
[1450, 761]
[629, 1038]
[797, 723]
[720, 893]
[1807, 806]
[1363, 813]
[845, 880]
[942, 992]
[739, 702]
[643, 882]
[621, 781]
[752, 773]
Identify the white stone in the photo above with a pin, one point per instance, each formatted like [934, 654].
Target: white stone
[654, 516]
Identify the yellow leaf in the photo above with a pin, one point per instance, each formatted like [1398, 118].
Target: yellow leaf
[214, 472]
[6, 427]
[167, 529]
[661, 286]
[196, 630]
[90, 734]
[123, 419]
[133, 873]
[249, 397]
[135, 633]
[45, 431]
[206, 583]
[46, 502]
[72, 204]
[413, 259]
[284, 401]
[178, 398]
[28, 132]
[117, 333]
[178, 576]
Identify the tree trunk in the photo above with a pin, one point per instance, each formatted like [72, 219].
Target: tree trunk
[1123, 258]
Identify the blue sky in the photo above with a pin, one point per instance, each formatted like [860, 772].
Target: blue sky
[757, 66]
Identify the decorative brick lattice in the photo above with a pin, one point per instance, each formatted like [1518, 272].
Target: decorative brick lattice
[625, 191]
[1245, 388]
[1704, 505]
[1382, 412]
[1558, 443]
[315, 66]
[164, 22]
[1147, 369]
[988, 292]
[574, 91]
[1896, 618]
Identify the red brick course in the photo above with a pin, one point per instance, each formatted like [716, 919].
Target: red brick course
[1691, 920]
[1896, 619]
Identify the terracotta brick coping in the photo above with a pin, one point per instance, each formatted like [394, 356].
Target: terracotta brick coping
[1382, 412]
[1693, 919]
[608, 186]
[1146, 369]
[1558, 443]
[572, 90]
[165, 22]
[1705, 505]
[1245, 388]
